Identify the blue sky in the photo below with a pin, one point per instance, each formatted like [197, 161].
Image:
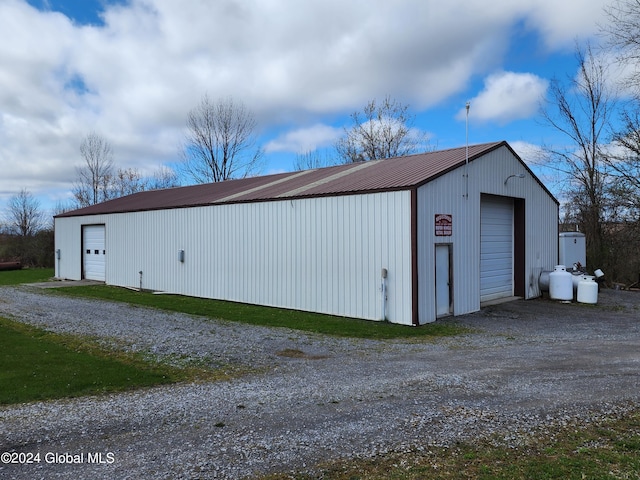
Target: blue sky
[82, 12]
[131, 70]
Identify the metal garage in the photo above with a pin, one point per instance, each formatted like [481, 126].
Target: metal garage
[449, 231]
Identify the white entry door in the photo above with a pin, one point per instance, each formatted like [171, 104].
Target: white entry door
[443, 280]
[93, 252]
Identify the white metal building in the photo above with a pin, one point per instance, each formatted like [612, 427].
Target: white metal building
[449, 233]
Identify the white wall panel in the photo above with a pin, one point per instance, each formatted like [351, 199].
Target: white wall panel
[68, 239]
[321, 254]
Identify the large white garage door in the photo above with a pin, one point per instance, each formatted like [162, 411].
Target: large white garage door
[93, 252]
[496, 248]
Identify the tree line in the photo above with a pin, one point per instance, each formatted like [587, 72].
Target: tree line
[597, 111]
[220, 144]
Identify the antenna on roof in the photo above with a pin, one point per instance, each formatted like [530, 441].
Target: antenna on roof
[467, 133]
[466, 158]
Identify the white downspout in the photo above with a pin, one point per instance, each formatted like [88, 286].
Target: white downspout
[58, 255]
[384, 294]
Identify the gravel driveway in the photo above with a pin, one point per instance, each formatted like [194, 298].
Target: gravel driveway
[528, 366]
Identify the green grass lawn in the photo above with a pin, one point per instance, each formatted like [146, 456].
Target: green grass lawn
[267, 316]
[26, 275]
[240, 312]
[38, 365]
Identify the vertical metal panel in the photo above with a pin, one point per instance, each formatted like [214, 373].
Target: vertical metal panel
[447, 194]
[320, 254]
[68, 237]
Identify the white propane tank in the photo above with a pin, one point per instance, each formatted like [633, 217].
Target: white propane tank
[576, 278]
[587, 290]
[575, 281]
[560, 284]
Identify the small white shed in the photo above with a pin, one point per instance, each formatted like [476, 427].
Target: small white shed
[449, 231]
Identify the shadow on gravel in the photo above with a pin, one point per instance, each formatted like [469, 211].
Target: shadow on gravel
[615, 310]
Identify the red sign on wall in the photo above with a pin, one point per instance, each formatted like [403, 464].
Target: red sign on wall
[444, 225]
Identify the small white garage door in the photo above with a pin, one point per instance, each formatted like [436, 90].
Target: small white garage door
[496, 248]
[93, 252]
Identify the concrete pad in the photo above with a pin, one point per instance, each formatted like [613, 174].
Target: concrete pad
[65, 283]
[499, 301]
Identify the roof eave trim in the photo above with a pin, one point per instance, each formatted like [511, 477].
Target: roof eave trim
[238, 202]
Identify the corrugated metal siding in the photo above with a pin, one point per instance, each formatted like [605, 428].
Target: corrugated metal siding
[323, 254]
[446, 194]
[68, 238]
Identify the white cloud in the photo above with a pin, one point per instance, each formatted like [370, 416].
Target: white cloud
[562, 22]
[305, 139]
[508, 96]
[134, 78]
[530, 153]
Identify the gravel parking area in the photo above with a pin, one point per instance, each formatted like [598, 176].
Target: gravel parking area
[528, 367]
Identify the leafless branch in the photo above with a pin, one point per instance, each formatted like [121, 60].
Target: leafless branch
[220, 142]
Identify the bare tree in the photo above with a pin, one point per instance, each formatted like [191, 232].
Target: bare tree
[381, 130]
[164, 177]
[623, 35]
[127, 181]
[24, 224]
[63, 206]
[95, 176]
[581, 109]
[312, 160]
[626, 165]
[25, 216]
[220, 142]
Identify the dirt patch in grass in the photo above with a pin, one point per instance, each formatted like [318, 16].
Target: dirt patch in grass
[294, 353]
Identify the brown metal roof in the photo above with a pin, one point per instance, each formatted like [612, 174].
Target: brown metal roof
[380, 175]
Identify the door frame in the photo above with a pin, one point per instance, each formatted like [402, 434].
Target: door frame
[449, 270]
[83, 255]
